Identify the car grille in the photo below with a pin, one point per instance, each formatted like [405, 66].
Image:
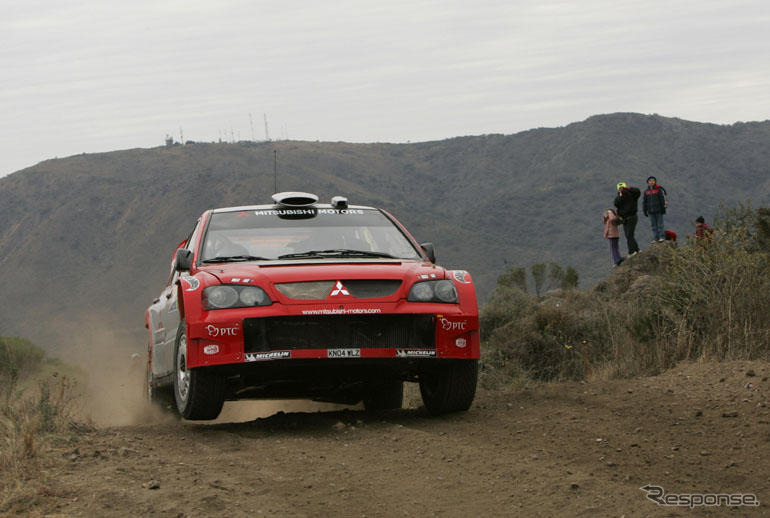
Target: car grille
[359, 288]
[339, 331]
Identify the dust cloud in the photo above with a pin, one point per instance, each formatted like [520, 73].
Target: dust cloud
[113, 385]
[114, 370]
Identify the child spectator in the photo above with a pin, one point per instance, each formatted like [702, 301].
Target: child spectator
[611, 222]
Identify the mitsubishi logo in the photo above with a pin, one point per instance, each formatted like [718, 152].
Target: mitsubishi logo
[339, 289]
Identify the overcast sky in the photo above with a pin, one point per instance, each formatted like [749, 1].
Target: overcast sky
[91, 76]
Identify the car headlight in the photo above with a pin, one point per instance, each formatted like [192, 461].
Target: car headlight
[226, 296]
[433, 291]
[253, 296]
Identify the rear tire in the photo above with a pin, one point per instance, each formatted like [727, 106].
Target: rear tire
[199, 394]
[449, 385]
[388, 395]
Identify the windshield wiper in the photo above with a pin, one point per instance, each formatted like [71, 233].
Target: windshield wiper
[336, 252]
[235, 259]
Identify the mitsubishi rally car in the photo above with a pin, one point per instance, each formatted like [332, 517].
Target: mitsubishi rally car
[298, 299]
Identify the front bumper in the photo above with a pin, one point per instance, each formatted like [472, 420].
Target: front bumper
[265, 334]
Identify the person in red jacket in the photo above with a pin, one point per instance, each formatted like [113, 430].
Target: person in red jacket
[611, 232]
[702, 230]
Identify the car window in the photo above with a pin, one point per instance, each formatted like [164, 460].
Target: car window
[172, 269]
[192, 239]
[278, 232]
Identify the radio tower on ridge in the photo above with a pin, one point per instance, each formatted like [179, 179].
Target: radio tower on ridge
[267, 133]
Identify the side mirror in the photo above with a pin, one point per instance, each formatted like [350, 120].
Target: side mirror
[183, 260]
[429, 250]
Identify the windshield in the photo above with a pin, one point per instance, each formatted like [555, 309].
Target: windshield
[300, 234]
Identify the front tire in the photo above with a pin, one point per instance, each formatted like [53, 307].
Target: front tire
[199, 394]
[449, 385]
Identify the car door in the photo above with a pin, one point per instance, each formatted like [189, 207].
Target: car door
[168, 310]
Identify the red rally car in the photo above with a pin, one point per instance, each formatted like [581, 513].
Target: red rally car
[298, 299]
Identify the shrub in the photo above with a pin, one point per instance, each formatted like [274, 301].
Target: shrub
[557, 338]
[514, 277]
[538, 274]
[18, 357]
[718, 294]
[704, 299]
[571, 278]
[32, 406]
[506, 306]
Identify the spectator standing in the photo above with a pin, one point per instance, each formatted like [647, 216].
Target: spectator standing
[703, 230]
[654, 206]
[627, 204]
[611, 222]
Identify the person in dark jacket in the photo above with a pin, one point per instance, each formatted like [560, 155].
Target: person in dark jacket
[626, 203]
[654, 206]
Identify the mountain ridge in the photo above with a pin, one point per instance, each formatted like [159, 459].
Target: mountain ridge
[86, 240]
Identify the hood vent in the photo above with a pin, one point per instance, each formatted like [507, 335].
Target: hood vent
[295, 199]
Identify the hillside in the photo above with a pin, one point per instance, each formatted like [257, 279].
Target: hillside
[85, 241]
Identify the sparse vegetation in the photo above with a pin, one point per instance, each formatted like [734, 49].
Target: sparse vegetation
[538, 274]
[18, 357]
[716, 293]
[36, 404]
[705, 299]
[551, 277]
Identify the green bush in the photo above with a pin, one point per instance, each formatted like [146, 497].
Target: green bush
[506, 305]
[553, 338]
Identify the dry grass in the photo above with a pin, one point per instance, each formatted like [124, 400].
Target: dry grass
[703, 300]
[36, 407]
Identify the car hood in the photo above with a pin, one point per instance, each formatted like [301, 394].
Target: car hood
[293, 271]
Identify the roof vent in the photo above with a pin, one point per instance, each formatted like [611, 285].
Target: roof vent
[340, 202]
[295, 199]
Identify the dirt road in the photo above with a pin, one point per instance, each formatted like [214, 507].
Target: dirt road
[567, 449]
